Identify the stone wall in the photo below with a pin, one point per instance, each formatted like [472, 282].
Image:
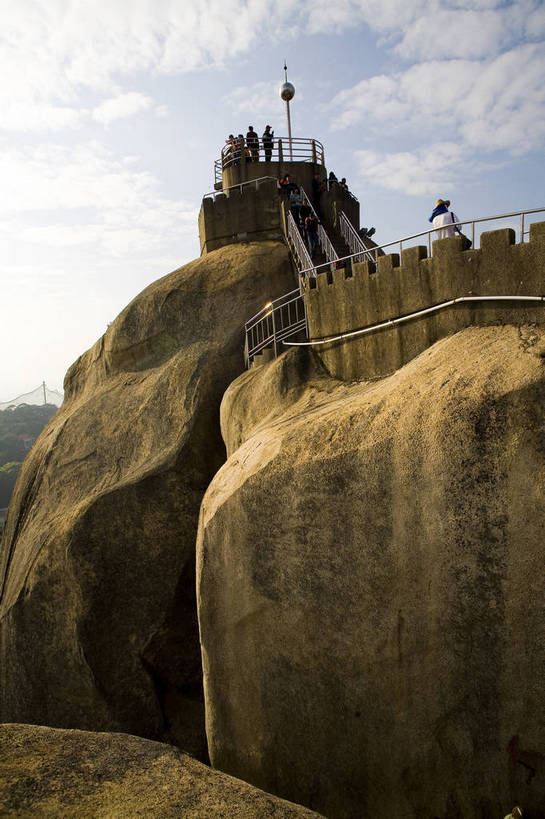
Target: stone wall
[337, 304]
[335, 200]
[249, 214]
[301, 172]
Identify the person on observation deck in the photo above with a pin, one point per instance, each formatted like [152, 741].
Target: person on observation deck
[442, 219]
[268, 141]
[252, 142]
[228, 150]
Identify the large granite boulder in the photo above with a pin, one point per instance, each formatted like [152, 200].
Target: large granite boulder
[371, 589]
[98, 625]
[48, 772]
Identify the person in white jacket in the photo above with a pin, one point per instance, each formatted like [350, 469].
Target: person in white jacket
[442, 219]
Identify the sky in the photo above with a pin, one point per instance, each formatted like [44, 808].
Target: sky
[113, 112]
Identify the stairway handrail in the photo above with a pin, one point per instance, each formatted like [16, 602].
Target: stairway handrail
[241, 185]
[352, 237]
[299, 247]
[325, 242]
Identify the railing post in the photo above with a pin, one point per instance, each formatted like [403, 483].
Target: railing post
[314, 151]
[521, 228]
[246, 356]
[280, 152]
[274, 333]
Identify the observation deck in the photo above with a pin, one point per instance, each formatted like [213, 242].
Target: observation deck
[300, 157]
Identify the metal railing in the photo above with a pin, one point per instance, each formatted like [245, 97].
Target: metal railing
[377, 251]
[297, 244]
[426, 311]
[323, 239]
[271, 326]
[353, 239]
[284, 149]
[278, 320]
[240, 185]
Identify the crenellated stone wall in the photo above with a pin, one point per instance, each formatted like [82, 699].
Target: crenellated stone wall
[339, 304]
[247, 214]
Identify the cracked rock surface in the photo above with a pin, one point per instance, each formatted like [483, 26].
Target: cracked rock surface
[46, 772]
[370, 583]
[98, 625]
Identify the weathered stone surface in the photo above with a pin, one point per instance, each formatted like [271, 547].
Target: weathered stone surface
[370, 583]
[98, 625]
[53, 772]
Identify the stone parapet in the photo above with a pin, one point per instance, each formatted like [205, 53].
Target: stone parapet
[245, 214]
[339, 304]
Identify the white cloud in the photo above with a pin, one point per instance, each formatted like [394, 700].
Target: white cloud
[121, 106]
[35, 117]
[258, 99]
[436, 168]
[489, 105]
[54, 49]
[456, 33]
[85, 196]
[383, 16]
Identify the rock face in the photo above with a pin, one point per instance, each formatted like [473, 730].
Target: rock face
[370, 583]
[52, 772]
[98, 625]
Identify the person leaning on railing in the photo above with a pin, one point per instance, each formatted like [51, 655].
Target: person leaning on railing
[228, 150]
[444, 219]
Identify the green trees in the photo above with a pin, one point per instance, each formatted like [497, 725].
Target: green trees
[19, 427]
[8, 476]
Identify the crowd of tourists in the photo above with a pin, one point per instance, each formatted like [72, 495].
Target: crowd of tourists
[239, 149]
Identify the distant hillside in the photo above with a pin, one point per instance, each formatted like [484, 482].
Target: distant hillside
[19, 428]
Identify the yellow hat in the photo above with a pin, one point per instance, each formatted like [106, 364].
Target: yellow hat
[441, 202]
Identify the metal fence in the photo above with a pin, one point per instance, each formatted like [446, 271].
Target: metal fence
[284, 149]
[323, 239]
[286, 316]
[519, 221]
[278, 320]
[353, 240]
[297, 244]
[240, 186]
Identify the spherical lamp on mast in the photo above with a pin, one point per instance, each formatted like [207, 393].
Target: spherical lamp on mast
[287, 93]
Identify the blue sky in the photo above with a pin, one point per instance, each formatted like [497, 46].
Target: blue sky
[114, 111]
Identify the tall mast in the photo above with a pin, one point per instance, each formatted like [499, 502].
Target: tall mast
[287, 92]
